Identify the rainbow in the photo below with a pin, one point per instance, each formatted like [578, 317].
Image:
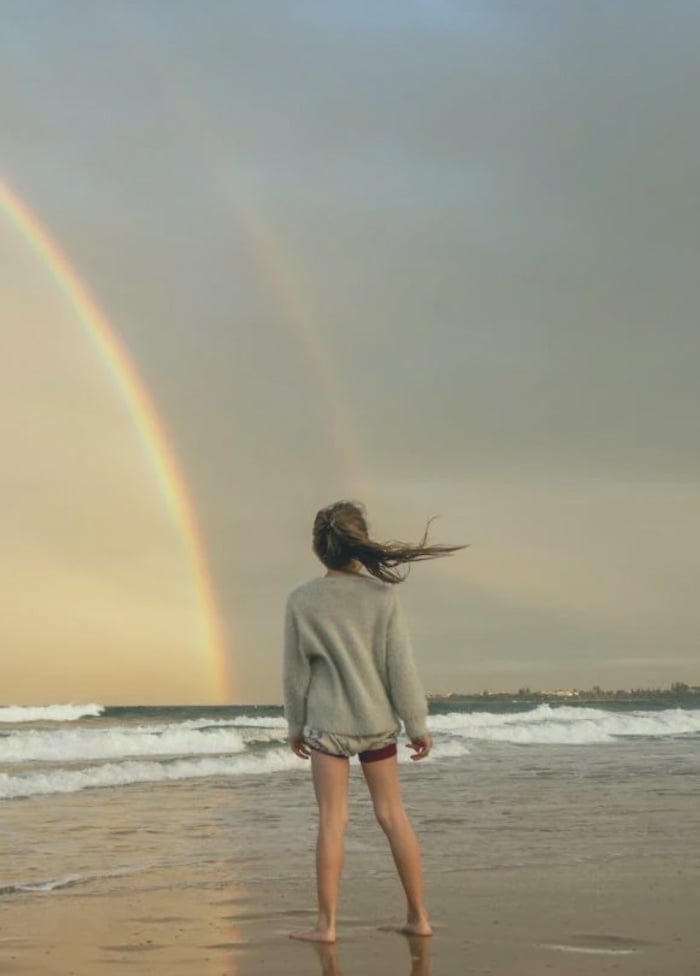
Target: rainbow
[125, 376]
[271, 260]
[295, 315]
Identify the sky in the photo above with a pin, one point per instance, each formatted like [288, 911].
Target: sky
[439, 257]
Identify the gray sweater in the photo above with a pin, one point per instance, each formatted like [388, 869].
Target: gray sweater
[348, 664]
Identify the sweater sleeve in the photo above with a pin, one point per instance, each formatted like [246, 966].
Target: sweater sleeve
[296, 676]
[405, 688]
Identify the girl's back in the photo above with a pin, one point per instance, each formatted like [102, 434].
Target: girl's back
[348, 657]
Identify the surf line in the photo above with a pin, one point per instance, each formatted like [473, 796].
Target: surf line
[124, 374]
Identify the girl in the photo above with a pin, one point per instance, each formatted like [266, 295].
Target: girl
[349, 677]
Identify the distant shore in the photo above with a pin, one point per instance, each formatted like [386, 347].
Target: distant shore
[680, 694]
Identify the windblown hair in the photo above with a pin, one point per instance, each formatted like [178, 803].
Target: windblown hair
[340, 535]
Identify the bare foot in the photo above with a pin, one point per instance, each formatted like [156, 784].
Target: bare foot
[421, 927]
[314, 935]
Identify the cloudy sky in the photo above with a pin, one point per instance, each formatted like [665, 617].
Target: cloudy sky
[437, 256]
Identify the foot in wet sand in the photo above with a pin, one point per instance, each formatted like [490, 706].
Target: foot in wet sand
[418, 926]
[314, 935]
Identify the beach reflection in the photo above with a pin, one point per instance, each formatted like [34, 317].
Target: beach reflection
[418, 948]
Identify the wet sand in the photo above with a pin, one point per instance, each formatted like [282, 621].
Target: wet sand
[618, 918]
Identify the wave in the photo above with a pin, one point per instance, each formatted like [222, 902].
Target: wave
[128, 773]
[446, 750]
[567, 725]
[241, 721]
[56, 884]
[70, 745]
[52, 884]
[48, 713]
[121, 742]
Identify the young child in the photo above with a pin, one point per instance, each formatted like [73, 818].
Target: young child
[349, 677]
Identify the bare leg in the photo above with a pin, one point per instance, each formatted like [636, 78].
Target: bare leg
[383, 781]
[330, 776]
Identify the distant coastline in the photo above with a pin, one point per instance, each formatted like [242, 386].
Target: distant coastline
[678, 691]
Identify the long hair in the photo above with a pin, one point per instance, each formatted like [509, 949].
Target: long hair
[340, 535]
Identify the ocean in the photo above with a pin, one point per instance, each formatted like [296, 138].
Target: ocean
[95, 798]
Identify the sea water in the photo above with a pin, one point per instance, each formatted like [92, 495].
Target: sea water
[95, 798]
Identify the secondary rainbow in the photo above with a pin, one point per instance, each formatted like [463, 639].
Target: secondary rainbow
[272, 260]
[166, 467]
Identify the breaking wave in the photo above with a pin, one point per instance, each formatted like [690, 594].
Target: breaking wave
[128, 773]
[48, 713]
[566, 725]
[70, 745]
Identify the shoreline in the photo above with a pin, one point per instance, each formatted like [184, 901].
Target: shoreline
[620, 918]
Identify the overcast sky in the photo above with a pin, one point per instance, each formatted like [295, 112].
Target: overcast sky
[438, 256]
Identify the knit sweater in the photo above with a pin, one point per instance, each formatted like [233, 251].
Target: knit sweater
[348, 662]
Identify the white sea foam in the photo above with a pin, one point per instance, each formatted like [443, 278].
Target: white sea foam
[52, 884]
[449, 749]
[115, 742]
[127, 773]
[590, 950]
[566, 725]
[48, 713]
[71, 780]
[68, 881]
[240, 721]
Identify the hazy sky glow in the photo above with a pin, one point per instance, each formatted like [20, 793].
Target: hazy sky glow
[441, 257]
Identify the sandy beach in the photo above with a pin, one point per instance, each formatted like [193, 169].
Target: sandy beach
[625, 919]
